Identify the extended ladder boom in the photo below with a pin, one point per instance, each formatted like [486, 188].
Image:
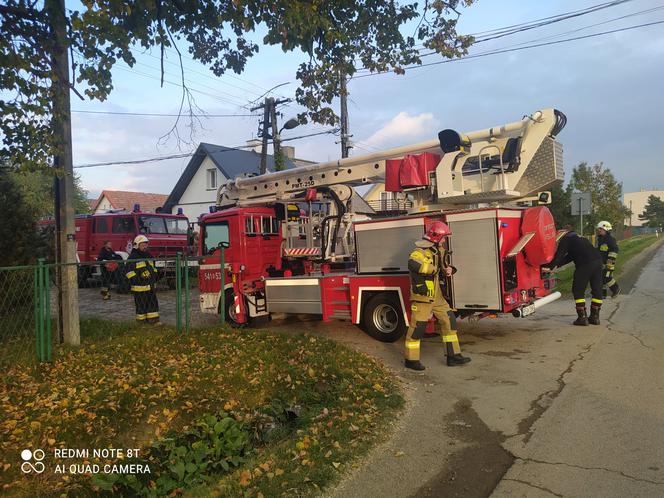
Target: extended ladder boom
[501, 163]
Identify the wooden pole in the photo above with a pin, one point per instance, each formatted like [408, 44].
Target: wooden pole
[61, 122]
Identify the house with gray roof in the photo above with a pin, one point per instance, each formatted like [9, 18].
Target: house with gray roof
[211, 166]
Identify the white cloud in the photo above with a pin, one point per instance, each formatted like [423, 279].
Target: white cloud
[404, 128]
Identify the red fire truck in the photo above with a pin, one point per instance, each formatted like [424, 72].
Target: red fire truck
[168, 234]
[295, 243]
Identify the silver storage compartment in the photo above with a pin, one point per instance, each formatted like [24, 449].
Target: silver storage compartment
[293, 295]
[475, 253]
[384, 246]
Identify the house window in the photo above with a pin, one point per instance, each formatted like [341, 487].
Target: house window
[211, 175]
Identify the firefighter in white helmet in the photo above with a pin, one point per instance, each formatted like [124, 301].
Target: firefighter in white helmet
[142, 276]
[428, 268]
[609, 249]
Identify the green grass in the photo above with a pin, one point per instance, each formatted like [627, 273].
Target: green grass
[628, 249]
[129, 386]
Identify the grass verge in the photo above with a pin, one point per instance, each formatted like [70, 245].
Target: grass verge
[628, 249]
[294, 409]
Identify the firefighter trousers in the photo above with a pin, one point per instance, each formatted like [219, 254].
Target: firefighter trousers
[590, 273]
[420, 313]
[147, 306]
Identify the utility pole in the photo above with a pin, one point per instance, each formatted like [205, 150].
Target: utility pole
[270, 122]
[262, 130]
[61, 122]
[345, 137]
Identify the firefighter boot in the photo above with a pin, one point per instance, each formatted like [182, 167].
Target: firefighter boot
[105, 294]
[594, 313]
[457, 360]
[615, 289]
[414, 365]
[582, 318]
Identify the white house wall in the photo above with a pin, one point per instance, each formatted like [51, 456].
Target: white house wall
[197, 198]
[104, 205]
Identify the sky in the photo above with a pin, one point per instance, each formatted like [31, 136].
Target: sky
[610, 87]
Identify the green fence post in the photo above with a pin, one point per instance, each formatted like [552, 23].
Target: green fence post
[36, 307]
[47, 299]
[186, 294]
[41, 347]
[222, 310]
[178, 294]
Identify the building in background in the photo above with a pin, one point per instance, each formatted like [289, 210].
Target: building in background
[636, 202]
[121, 199]
[211, 166]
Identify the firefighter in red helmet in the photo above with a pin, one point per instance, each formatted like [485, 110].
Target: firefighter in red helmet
[428, 268]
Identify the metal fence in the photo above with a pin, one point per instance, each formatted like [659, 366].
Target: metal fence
[29, 328]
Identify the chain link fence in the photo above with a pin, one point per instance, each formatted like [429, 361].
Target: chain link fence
[29, 296]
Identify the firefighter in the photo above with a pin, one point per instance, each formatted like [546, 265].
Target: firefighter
[142, 276]
[587, 269]
[427, 269]
[609, 249]
[109, 268]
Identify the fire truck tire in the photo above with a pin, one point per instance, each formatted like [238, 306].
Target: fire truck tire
[230, 311]
[382, 317]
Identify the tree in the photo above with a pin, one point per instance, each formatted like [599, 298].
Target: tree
[337, 36]
[37, 190]
[17, 224]
[606, 194]
[560, 206]
[653, 214]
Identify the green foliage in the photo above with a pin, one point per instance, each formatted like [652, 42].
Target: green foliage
[37, 190]
[17, 223]
[215, 444]
[606, 193]
[377, 35]
[653, 214]
[560, 206]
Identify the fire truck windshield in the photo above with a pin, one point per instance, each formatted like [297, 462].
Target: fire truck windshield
[163, 225]
[215, 233]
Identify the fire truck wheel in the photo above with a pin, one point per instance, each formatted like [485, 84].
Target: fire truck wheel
[230, 311]
[382, 318]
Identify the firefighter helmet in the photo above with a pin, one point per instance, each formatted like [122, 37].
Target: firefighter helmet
[605, 225]
[437, 230]
[140, 239]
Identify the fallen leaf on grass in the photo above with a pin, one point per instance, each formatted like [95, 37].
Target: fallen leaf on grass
[399, 454]
[336, 465]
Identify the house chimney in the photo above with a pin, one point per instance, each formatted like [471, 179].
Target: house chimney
[255, 145]
[288, 151]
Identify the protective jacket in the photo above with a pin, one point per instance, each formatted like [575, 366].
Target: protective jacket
[426, 263]
[608, 248]
[573, 247]
[141, 274]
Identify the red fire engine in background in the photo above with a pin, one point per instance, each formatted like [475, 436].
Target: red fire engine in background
[296, 242]
[168, 234]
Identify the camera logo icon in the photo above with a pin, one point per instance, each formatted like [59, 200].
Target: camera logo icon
[28, 466]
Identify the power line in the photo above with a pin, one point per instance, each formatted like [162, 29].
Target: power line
[191, 154]
[484, 36]
[516, 49]
[557, 35]
[117, 113]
